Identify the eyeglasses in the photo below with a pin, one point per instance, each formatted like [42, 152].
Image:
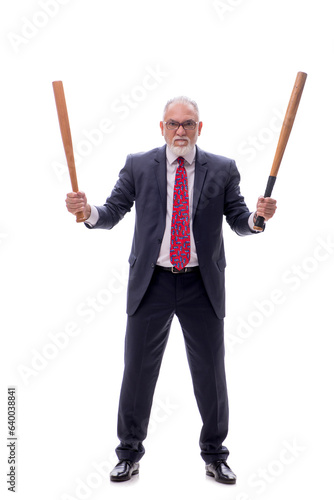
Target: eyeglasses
[187, 125]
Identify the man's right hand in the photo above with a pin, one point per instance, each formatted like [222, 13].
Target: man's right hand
[77, 202]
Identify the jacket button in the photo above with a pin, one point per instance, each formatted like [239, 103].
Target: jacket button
[152, 265]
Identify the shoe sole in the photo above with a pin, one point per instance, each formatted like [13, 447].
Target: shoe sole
[122, 479]
[224, 481]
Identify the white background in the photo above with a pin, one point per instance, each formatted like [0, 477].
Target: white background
[239, 60]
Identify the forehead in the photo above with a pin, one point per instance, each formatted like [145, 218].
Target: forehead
[180, 111]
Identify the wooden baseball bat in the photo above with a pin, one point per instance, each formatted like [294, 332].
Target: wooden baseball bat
[65, 130]
[283, 139]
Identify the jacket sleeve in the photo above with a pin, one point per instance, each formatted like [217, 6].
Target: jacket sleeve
[120, 200]
[235, 209]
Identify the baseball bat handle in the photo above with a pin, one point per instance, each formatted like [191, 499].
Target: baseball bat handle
[65, 131]
[259, 223]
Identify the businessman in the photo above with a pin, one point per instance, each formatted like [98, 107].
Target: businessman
[177, 264]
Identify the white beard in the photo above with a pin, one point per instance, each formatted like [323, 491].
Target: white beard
[180, 150]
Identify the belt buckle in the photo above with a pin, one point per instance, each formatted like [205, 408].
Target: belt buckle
[181, 271]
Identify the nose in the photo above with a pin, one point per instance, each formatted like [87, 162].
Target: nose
[180, 130]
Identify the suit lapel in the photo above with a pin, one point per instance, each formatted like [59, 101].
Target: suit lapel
[200, 174]
[161, 174]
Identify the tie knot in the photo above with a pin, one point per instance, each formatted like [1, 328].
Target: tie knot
[180, 161]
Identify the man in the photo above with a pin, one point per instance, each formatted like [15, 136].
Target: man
[177, 264]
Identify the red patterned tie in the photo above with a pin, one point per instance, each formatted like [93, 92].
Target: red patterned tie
[180, 231]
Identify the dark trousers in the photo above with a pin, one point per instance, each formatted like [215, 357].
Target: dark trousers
[147, 332]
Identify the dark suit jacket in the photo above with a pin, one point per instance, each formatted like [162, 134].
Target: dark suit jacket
[143, 180]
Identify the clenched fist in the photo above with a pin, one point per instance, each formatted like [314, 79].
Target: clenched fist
[77, 202]
[266, 207]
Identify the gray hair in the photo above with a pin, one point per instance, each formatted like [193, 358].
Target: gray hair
[181, 100]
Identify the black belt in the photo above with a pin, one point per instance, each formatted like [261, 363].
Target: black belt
[181, 271]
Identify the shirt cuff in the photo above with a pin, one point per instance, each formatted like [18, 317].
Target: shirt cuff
[93, 218]
[251, 222]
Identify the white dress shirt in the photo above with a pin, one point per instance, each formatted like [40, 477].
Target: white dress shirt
[171, 165]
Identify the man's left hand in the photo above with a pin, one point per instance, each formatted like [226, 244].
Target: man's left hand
[266, 207]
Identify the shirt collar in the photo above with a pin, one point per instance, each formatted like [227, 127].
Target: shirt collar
[189, 157]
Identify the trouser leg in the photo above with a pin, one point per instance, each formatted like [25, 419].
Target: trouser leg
[204, 339]
[146, 338]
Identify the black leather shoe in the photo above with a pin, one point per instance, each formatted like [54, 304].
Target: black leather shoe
[221, 472]
[124, 470]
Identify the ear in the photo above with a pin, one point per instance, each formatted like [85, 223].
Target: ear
[200, 125]
[162, 128]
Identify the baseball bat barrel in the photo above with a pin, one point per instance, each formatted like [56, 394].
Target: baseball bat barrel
[289, 119]
[65, 131]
